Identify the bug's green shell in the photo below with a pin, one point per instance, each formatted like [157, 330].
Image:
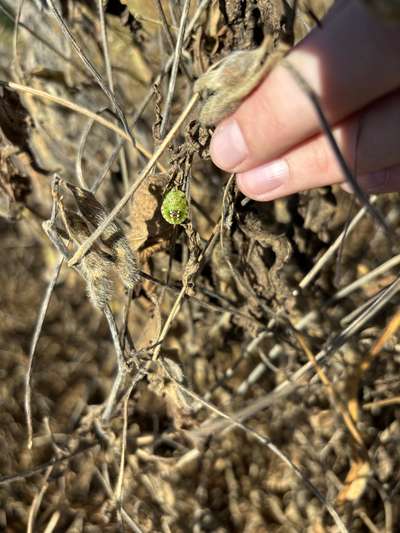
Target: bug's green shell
[174, 207]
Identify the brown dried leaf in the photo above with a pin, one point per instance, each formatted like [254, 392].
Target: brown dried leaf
[177, 405]
[133, 63]
[355, 483]
[192, 266]
[148, 226]
[14, 119]
[152, 327]
[269, 282]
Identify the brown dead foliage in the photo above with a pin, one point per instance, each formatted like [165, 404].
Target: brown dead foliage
[209, 310]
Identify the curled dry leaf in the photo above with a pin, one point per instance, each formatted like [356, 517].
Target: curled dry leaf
[151, 329]
[267, 282]
[148, 227]
[192, 266]
[14, 119]
[160, 382]
[356, 482]
[50, 66]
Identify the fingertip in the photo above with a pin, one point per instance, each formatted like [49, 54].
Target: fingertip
[265, 182]
[242, 184]
[347, 187]
[228, 147]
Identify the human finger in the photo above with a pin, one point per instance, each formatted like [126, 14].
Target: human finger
[384, 180]
[352, 60]
[369, 141]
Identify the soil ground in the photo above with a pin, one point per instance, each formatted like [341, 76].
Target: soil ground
[301, 435]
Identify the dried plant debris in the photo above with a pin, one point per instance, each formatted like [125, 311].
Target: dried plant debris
[228, 81]
[148, 228]
[14, 187]
[266, 279]
[176, 362]
[113, 237]
[14, 119]
[96, 266]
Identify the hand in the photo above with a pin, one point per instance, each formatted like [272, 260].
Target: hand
[274, 141]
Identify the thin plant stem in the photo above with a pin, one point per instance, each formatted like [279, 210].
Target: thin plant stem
[33, 511]
[347, 173]
[106, 54]
[175, 66]
[22, 25]
[121, 371]
[179, 300]
[52, 523]
[165, 24]
[77, 109]
[143, 175]
[32, 350]
[339, 403]
[266, 441]
[25, 474]
[381, 269]
[120, 480]
[17, 64]
[338, 269]
[79, 156]
[91, 68]
[105, 480]
[333, 248]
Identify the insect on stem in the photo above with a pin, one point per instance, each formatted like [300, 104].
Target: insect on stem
[83, 249]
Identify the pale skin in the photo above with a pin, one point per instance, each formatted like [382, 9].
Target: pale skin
[273, 141]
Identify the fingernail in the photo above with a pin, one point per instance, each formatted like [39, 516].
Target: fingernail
[260, 181]
[347, 187]
[228, 147]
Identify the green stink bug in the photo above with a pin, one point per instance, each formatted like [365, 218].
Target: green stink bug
[174, 207]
